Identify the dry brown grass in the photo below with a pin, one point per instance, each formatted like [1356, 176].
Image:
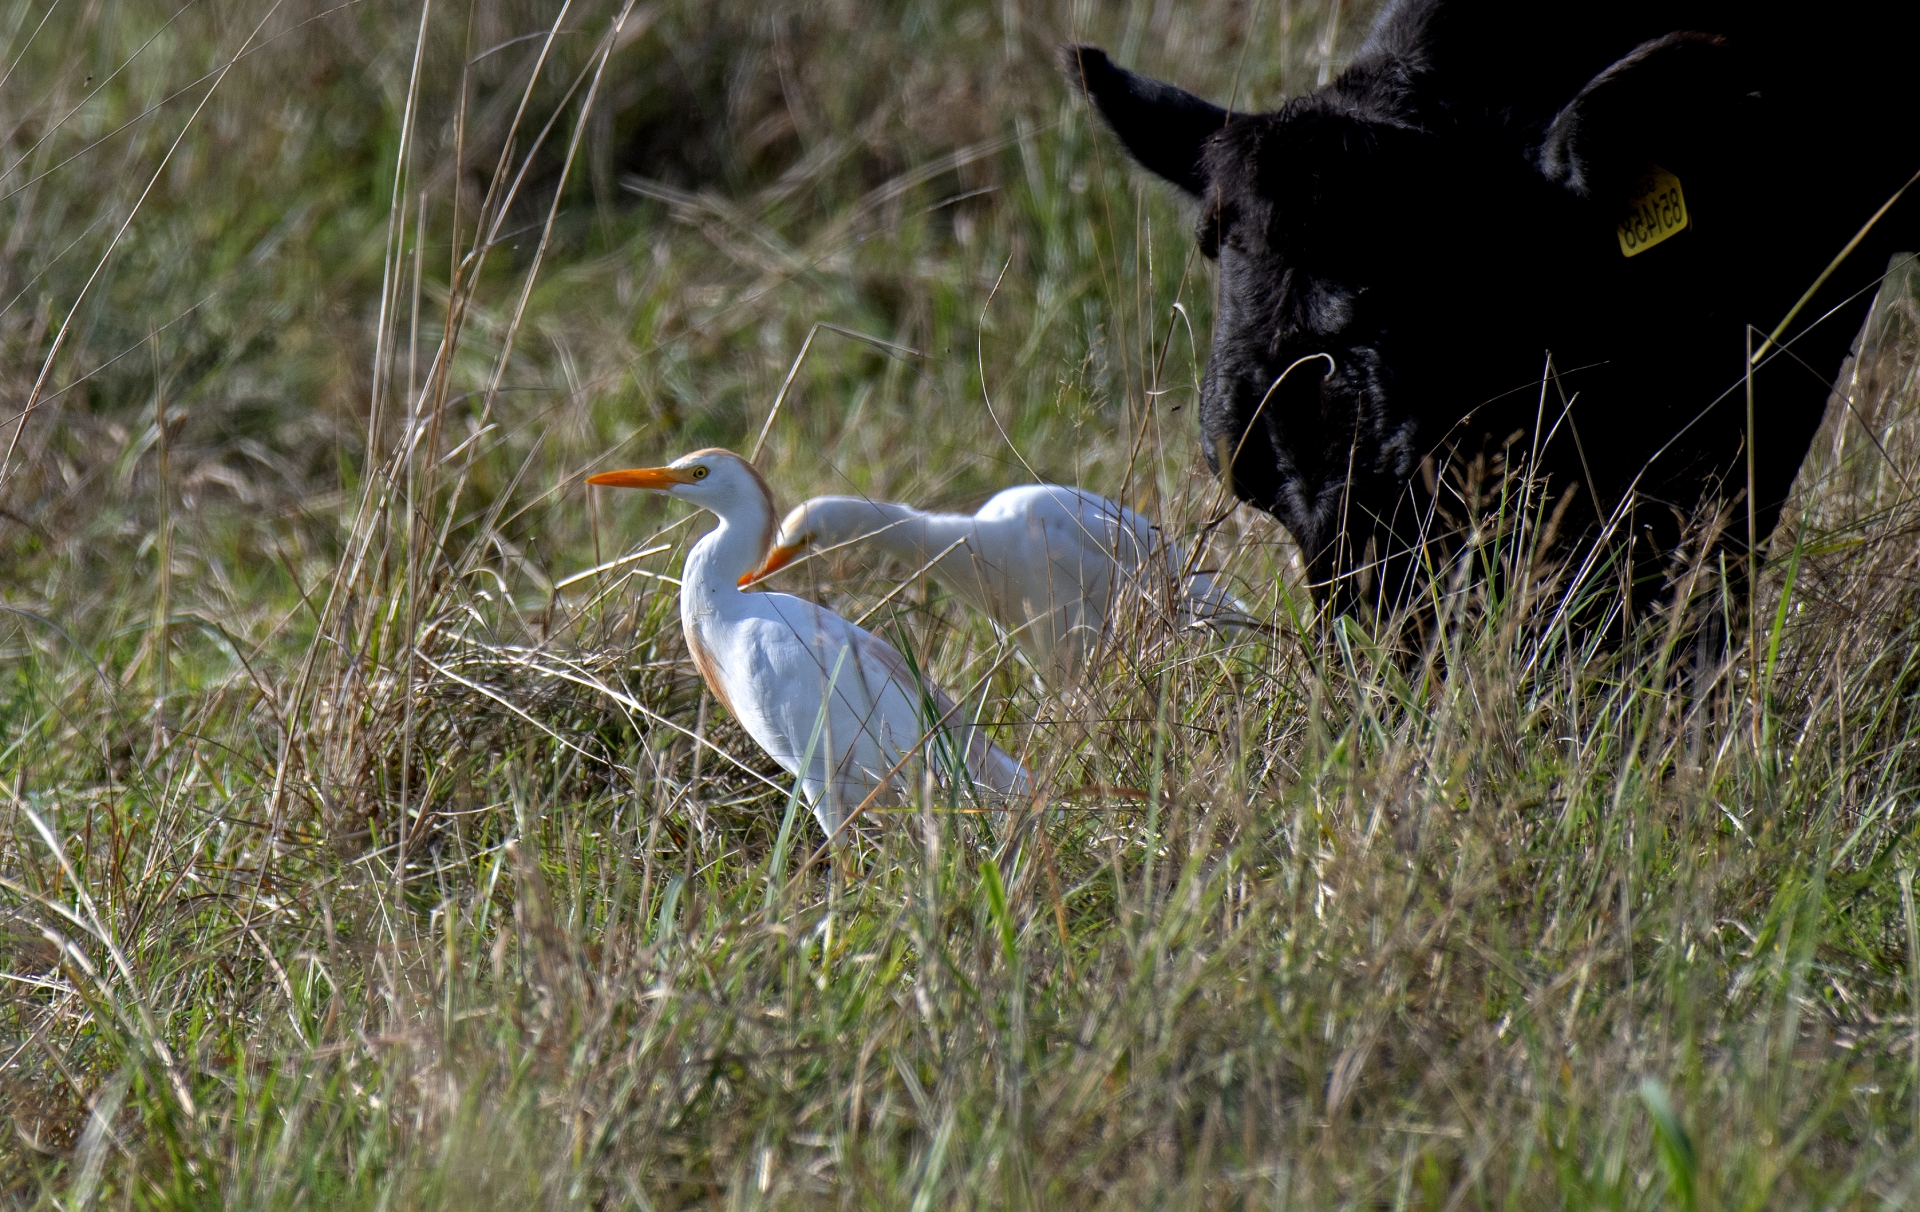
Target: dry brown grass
[359, 851]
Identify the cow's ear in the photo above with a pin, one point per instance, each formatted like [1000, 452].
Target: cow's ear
[1666, 101]
[1162, 126]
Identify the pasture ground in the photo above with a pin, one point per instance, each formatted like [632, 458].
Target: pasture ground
[366, 840]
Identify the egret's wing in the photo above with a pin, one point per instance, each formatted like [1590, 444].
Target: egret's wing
[1089, 551]
[875, 715]
[1019, 502]
[986, 762]
[779, 687]
[1139, 542]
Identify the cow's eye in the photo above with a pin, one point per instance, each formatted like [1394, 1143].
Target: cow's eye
[1209, 230]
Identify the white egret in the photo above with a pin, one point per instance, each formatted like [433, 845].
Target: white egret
[773, 660]
[1046, 563]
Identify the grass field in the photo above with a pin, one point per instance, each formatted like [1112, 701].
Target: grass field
[369, 840]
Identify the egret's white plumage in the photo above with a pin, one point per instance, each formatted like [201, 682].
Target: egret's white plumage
[1046, 563]
[771, 657]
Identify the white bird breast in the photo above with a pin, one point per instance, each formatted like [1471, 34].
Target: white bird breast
[777, 662]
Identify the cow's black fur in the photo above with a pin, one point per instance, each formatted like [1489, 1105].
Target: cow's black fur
[1401, 250]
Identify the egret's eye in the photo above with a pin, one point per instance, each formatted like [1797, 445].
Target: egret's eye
[699, 473]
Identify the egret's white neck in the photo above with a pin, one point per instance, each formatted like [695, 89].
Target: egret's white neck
[729, 551]
[899, 530]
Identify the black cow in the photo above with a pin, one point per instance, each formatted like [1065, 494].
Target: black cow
[1496, 187]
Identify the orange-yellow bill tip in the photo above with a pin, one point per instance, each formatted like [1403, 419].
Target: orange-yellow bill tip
[642, 477]
[778, 557]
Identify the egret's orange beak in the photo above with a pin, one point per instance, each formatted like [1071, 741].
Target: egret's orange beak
[777, 558]
[658, 479]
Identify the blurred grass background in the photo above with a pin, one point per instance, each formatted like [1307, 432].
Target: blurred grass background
[364, 846]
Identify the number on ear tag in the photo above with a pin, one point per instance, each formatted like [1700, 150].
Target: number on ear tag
[1655, 210]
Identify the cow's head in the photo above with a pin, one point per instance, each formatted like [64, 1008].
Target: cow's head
[1373, 264]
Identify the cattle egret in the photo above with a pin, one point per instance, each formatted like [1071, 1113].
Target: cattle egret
[773, 660]
[1045, 563]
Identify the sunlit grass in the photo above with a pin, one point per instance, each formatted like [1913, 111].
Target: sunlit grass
[383, 853]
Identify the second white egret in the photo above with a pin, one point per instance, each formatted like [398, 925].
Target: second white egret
[1046, 563]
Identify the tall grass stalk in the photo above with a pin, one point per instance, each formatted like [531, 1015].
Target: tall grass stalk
[369, 840]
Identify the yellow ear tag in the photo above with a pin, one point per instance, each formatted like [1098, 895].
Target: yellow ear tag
[1655, 210]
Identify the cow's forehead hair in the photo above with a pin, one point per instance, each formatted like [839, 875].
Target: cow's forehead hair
[1236, 157]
